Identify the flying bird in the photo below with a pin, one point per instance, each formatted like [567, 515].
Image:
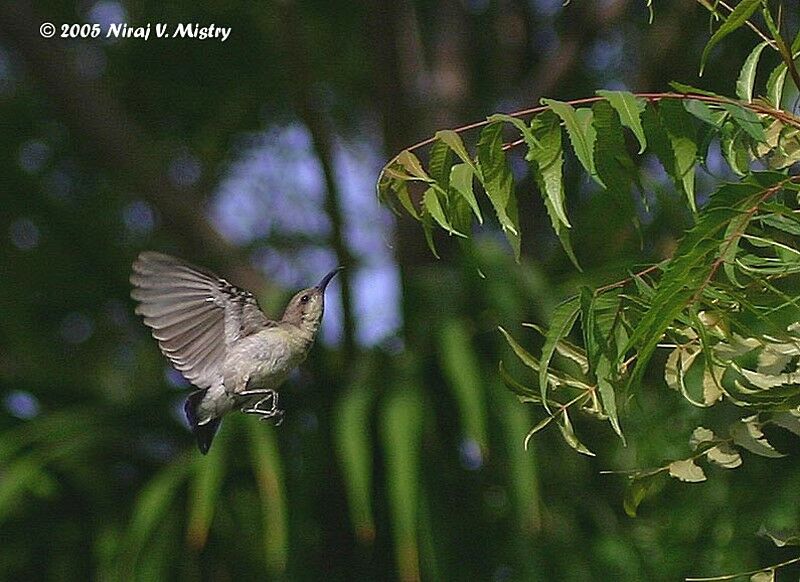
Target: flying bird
[216, 335]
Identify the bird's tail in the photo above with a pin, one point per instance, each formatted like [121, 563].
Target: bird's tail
[204, 433]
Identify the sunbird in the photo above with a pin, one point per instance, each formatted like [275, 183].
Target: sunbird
[218, 337]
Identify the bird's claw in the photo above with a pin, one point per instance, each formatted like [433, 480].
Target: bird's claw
[273, 413]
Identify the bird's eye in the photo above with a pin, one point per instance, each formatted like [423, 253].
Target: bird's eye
[304, 299]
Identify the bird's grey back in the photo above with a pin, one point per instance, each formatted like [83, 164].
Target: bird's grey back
[194, 314]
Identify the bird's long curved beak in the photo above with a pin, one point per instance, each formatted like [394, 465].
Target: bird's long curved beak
[327, 278]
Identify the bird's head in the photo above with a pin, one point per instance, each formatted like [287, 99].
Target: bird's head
[306, 307]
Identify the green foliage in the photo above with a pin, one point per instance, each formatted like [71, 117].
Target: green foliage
[724, 303]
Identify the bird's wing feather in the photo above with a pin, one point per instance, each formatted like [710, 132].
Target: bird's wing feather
[194, 314]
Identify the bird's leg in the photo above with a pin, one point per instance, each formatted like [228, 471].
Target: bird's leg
[272, 413]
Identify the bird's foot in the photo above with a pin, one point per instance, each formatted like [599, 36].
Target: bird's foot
[269, 412]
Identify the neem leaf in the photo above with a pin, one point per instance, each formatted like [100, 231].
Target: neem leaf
[440, 158]
[431, 203]
[461, 181]
[747, 76]
[561, 323]
[569, 435]
[748, 435]
[775, 83]
[452, 139]
[725, 456]
[629, 107]
[701, 435]
[747, 120]
[526, 357]
[581, 133]
[686, 470]
[546, 157]
[495, 176]
[412, 164]
[736, 19]
[613, 164]
[687, 272]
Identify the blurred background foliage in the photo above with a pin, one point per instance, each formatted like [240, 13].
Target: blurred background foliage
[401, 455]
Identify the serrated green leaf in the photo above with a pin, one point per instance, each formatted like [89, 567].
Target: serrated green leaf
[413, 166]
[690, 267]
[431, 203]
[569, 435]
[608, 396]
[613, 164]
[683, 140]
[401, 190]
[702, 111]
[629, 107]
[453, 140]
[743, 11]
[686, 470]
[561, 323]
[427, 229]
[733, 143]
[461, 180]
[775, 85]
[547, 160]
[747, 76]
[440, 159]
[521, 126]
[581, 133]
[498, 182]
[669, 136]
[747, 120]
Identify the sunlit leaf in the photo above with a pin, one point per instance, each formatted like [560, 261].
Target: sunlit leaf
[452, 139]
[725, 456]
[748, 435]
[461, 180]
[780, 538]
[431, 203]
[686, 470]
[701, 435]
[413, 166]
[747, 76]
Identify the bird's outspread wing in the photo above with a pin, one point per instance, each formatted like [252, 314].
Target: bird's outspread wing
[194, 314]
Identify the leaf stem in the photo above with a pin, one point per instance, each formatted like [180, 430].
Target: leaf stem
[750, 573]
